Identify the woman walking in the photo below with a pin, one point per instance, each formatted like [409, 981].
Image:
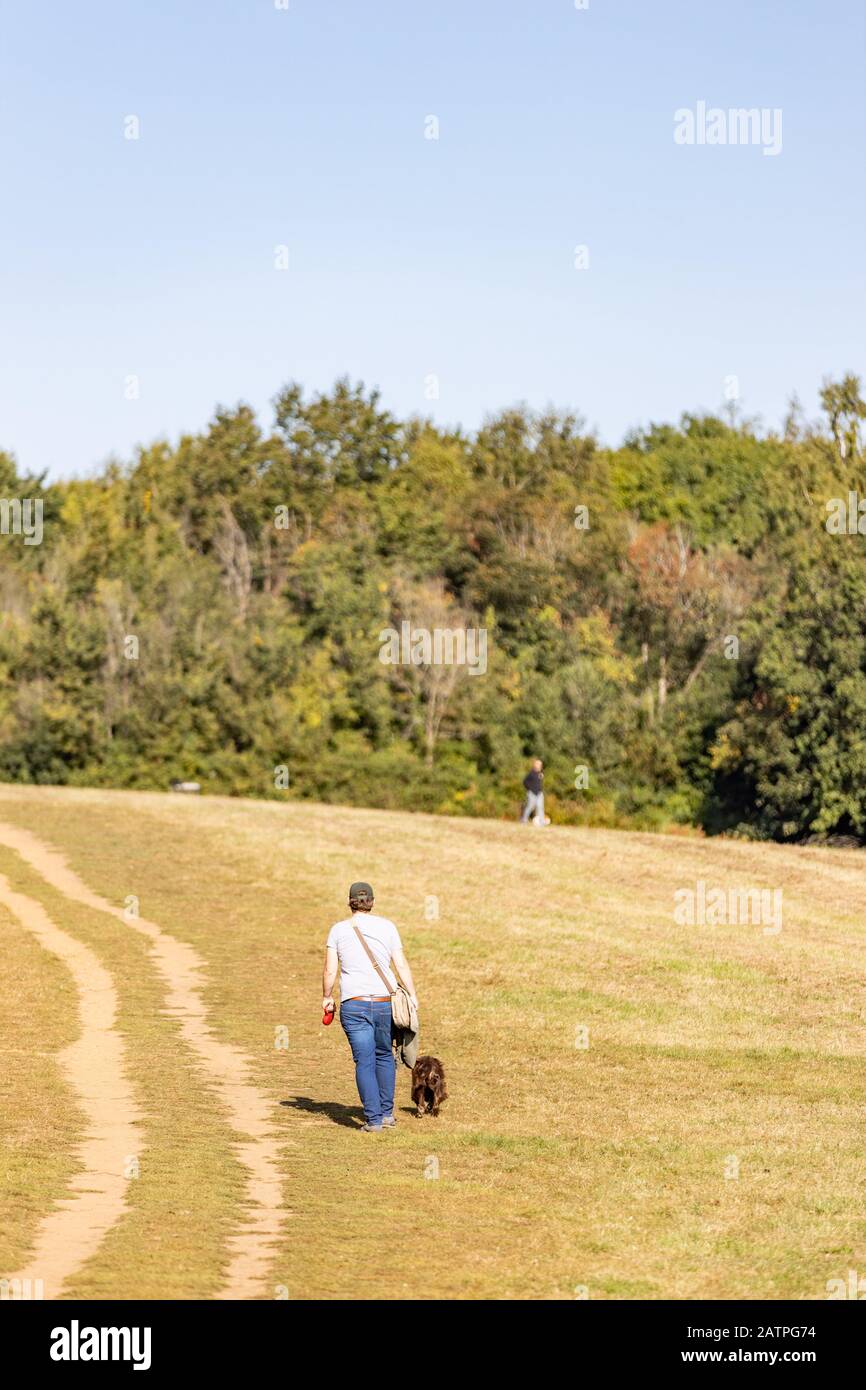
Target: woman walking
[365, 1010]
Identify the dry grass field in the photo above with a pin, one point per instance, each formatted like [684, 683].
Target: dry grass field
[639, 1109]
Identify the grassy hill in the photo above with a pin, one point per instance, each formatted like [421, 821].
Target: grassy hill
[707, 1142]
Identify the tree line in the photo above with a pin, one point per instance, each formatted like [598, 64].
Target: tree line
[676, 626]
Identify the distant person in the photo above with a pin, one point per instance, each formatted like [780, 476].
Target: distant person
[534, 784]
[365, 1012]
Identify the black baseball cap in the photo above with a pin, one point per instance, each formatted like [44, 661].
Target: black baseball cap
[360, 890]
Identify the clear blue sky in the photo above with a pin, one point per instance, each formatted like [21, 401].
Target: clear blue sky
[305, 127]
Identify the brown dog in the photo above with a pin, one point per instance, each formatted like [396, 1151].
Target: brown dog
[428, 1086]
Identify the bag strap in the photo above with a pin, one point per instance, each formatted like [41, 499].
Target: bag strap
[376, 966]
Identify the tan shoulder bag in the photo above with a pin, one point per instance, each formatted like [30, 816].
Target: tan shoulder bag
[404, 1014]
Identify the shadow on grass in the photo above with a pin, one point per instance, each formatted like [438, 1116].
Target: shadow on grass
[352, 1116]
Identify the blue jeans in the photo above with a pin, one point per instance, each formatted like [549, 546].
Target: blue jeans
[367, 1025]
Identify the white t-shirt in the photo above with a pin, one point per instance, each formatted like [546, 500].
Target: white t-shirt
[357, 975]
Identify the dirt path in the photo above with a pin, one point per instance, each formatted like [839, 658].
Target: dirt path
[250, 1111]
[94, 1068]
